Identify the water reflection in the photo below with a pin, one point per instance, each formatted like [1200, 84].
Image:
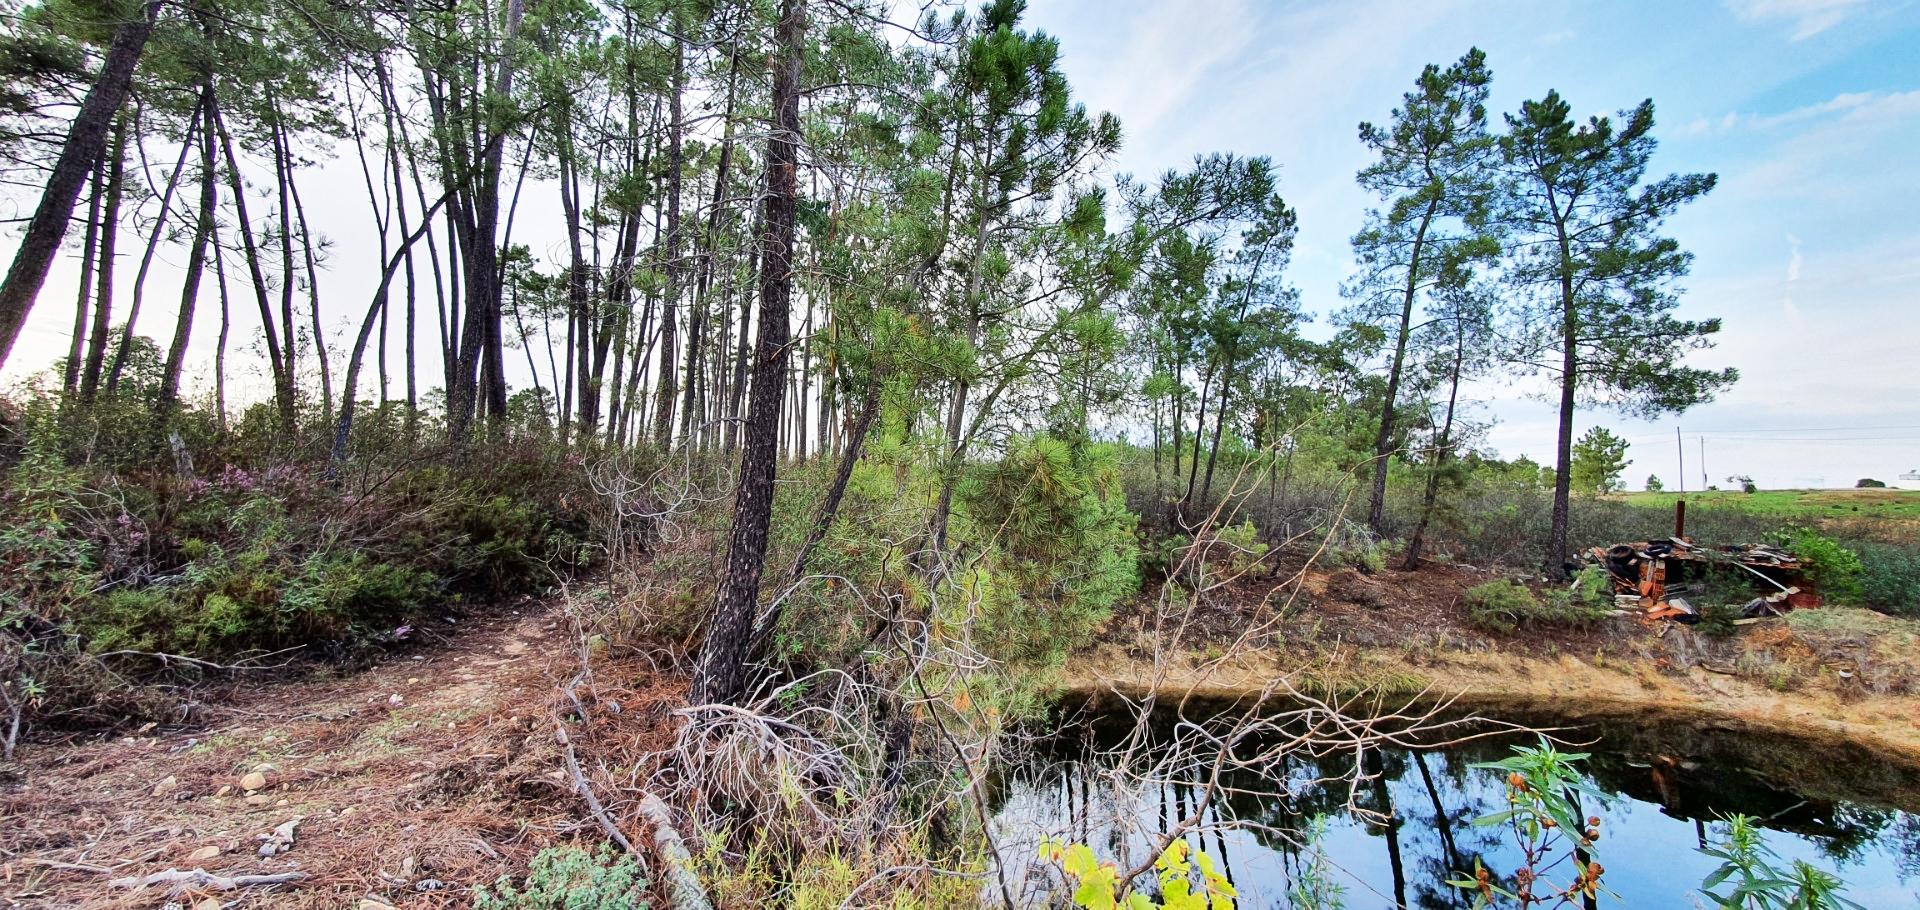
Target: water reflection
[1414, 828]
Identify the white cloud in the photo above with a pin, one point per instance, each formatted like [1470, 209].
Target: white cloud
[1807, 17]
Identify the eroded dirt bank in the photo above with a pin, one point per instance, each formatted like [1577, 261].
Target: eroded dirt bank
[1527, 689]
[1398, 635]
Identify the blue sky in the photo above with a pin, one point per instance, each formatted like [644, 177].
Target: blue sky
[1809, 110]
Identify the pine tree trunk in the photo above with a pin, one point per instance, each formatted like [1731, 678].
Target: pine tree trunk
[722, 672]
[276, 355]
[196, 258]
[83, 302]
[109, 234]
[666, 395]
[1556, 558]
[1383, 443]
[153, 244]
[86, 140]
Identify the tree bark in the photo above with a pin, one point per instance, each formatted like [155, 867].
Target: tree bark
[86, 139]
[109, 235]
[722, 672]
[283, 391]
[196, 257]
[82, 304]
[153, 244]
[665, 395]
[1383, 443]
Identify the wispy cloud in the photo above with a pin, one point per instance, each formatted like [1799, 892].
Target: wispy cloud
[1855, 107]
[1807, 17]
[1165, 53]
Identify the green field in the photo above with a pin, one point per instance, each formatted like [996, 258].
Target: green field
[1809, 504]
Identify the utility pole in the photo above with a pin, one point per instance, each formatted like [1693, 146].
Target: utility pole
[1681, 448]
[1704, 483]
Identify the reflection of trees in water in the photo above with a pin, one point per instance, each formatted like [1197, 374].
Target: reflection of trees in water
[1905, 837]
[1418, 809]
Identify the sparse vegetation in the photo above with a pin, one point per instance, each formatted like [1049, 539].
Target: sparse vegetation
[833, 397]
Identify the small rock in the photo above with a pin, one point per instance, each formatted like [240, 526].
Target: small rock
[413, 680]
[166, 786]
[254, 780]
[429, 884]
[373, 903]
[395, 701]
[208, 903]
[258, 800]
[224, 790]
[203, 854]
[281, 840]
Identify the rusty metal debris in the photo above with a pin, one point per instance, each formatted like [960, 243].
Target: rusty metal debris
[1654, 577]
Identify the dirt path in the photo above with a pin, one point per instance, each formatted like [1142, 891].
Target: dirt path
[408, 783]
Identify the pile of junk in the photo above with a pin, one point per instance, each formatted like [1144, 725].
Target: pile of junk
[1654, 578]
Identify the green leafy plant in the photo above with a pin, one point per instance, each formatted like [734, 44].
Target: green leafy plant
[1097, 884]
[1500, 605]
[1750, 876]
[1833, 569]
[1544, 787]
[570, 878]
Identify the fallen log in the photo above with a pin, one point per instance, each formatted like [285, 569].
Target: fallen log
[684, 891]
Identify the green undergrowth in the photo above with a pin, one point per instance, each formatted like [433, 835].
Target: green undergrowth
[234, 541]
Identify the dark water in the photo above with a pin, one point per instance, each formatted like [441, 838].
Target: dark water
[1834, 806]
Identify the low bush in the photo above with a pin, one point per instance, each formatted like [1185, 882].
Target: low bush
[1832, 569]
[1889, 578]
[1504, 605]
[236, 542]
[570, 878]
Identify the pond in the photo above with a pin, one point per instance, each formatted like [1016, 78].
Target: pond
[1669, 785]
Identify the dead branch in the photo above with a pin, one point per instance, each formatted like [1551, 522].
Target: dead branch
[178, 881]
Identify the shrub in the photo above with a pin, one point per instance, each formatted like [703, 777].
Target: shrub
[1889, 578]
[1062, 543]
[569, 878]
[1504, 605]
[1499, 605]
[1868, 483]
[1717, 619]
[1833, 570]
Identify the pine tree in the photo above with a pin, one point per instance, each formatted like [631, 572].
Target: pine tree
[1597, 283]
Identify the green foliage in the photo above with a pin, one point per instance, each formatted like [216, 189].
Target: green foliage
[1833, 569]
[1313, 886]
[1599, 459]
[570, 878]
[250, 551]
[1064, 547]
[1503, 605]
[1889, 578]
[1097, 886]
[1653, 483]
[1868, 483]
[1750, 876]
[1499, 605]
[1544, 789]
[1717, 619]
